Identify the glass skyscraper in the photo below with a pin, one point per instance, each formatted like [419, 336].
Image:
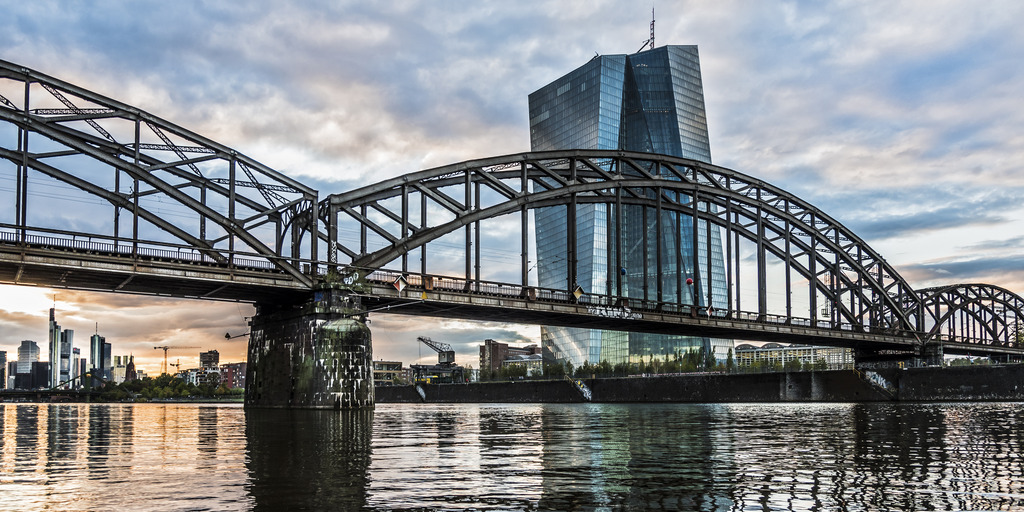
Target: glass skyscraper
[653, 102]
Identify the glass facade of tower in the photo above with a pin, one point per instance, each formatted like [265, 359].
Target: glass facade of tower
[652, 102]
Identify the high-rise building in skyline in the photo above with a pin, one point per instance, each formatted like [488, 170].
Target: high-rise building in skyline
[53, 341]
[651, 101]
[61, 343]
[28, 353]
[107, 365]
[99, 356]
[76, 365]
[3, 369]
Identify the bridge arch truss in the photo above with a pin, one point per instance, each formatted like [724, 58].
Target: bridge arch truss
[969, 315]
[769, 237]
[137, 186]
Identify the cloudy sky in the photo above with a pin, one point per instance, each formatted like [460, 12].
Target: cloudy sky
[903, 120]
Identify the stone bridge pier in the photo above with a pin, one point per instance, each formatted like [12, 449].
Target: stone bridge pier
[313, 355]
[929, 354]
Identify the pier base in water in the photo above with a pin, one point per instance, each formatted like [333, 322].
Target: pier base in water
[315, 355]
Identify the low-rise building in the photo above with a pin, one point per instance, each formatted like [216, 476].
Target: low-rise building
[233, 374]
[534, 363]
[836, 358]
[201, 376]
[388, 373]
[493, 354]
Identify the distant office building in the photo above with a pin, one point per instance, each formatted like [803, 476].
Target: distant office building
[61, 343]
[107, 363]
[54, 343]
[28, 353]
[12, 370]
[39, 377]
[652, 101]
[118, 371]
[209, 359]
[385, 373]
[3, 369]
[233, 375]
[836, 358]
[493, 353]
[76, 367]
[99, 356]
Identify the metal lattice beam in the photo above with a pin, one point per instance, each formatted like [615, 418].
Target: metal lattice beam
[150, 160]
[840, 269]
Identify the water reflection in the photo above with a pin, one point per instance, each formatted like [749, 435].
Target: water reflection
[308, 460]
[514, 457]
[109, 457]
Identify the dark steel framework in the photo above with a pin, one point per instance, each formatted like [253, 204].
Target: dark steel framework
[788, 241]
[252, 233]
[963, 313]
[64, 132]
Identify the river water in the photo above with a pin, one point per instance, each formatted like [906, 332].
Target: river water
[514, 457]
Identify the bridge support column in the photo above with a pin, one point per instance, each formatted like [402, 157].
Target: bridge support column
[931, 354]
[315, 355]
[866, 359]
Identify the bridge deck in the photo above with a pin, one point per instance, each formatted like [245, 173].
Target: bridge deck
[166, 273]
[89, 267]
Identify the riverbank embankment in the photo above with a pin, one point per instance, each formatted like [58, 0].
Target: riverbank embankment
[949, 384]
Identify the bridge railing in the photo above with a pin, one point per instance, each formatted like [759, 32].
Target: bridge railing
[609, 305]
[55, 240]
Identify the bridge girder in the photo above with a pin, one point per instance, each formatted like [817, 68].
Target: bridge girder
[982, 313]
[237, 207]
[838, 267]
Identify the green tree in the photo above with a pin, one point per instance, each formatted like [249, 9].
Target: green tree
[709, 359]
[730, 363]
[554, 371]
[513, 371]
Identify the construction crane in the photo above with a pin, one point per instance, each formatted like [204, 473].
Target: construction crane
[177, 366]
[445, 371]
[445, 353]
[165, 348]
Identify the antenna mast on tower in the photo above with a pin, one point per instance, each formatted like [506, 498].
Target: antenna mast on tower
[649, 42]
[652, 27]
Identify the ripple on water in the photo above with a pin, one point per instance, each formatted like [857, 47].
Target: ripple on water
[513, 457]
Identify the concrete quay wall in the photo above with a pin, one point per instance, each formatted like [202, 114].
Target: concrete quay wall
[975, 383]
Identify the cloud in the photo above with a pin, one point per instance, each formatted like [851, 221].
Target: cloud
[903, 121]
[1007, 272]
[878, 214]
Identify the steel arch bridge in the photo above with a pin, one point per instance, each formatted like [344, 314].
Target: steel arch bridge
[105, 196]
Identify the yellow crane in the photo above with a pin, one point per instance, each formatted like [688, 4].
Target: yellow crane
[165, 348]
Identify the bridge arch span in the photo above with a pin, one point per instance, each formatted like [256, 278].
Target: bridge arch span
[973, 314]
[841, 274]
[163, 188]
[162, 209]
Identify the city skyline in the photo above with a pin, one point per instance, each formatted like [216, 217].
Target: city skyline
[88, 352]
[900, 121]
